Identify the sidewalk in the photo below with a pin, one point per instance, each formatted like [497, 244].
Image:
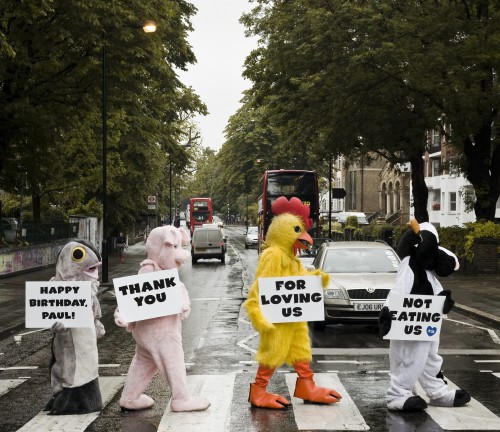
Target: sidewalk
[12, 287]
[476, 296]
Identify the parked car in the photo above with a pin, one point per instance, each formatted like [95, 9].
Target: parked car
[307, 255]
[361, 275]
[208, 241]
[342, 217]
[252, 237]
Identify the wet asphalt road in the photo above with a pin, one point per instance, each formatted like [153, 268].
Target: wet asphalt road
[219, 340]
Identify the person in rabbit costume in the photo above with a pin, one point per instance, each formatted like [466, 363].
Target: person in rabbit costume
[412, 361]
[74, 367]
[159, 340]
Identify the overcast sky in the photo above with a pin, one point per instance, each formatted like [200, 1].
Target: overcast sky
[220, 47]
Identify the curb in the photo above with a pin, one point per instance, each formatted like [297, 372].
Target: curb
[478, 315]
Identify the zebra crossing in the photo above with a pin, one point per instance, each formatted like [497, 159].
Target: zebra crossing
[220, 390]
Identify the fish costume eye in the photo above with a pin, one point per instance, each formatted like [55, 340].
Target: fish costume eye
[78, 254]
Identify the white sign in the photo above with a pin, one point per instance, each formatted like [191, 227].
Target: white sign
[66, 301]
[149, 295]
[415, 317]
[151, 199]
[292, 299]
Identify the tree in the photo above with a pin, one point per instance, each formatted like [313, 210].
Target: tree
[51, 91]
[359, 77]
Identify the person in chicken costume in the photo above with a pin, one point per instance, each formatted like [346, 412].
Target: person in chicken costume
[284, 342]
[159, 340]
[74, 368]
[412, 361]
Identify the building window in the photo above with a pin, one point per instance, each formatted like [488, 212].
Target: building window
[453, 201]
[435, 167]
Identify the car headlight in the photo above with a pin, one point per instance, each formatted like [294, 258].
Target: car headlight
[332, 293]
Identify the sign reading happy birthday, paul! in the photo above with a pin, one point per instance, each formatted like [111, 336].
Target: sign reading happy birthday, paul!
[149, 295]
[68, 302]
[415, 317]
[291, 299]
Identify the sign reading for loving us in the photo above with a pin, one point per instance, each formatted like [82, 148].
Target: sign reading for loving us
[68, 302]
[291, 299]
[149, 295]
[415, 317]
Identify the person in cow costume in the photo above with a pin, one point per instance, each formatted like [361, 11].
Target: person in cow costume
[412, 361]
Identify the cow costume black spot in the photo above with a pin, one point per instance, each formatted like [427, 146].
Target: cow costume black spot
[412, 361]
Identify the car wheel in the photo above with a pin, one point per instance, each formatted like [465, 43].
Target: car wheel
[223, 259]
[319, 325]
[246, 246]
[194, 260]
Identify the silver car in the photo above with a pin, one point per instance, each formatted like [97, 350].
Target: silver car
[252, 237]
[361, 276]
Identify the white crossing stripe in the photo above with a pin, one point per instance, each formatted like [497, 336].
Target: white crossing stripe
[343, 415]
[497, 375]
[467, 417]
[218, 389]
[8, 384]
[73, 423]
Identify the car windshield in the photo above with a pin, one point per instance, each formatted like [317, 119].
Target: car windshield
[252, 230]
[360, 260]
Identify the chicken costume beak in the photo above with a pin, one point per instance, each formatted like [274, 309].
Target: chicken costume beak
[304, 241]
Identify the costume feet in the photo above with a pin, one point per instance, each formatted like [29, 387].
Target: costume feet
[454, 398]
[306, 389]
[142, 402]
[193, 403]
[414, 404]
[259, 397]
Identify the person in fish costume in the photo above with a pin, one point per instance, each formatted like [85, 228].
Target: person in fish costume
[74, 365]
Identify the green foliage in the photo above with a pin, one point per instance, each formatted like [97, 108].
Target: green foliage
[351, 222]
[51, 97]
[479, 230]
[453, 238]
[356, 77]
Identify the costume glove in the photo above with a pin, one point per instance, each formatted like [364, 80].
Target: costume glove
[384, 321]
[449, 302]
[58, 327]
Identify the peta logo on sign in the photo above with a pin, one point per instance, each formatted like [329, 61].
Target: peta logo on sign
[415, 317]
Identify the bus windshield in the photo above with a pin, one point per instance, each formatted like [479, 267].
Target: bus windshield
[288, 183]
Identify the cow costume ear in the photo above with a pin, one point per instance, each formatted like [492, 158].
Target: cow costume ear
[447, 262]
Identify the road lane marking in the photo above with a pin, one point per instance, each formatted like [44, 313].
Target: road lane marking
[218, 389]
[344, 361]
[110, 365]
[9, 384]
[497, 375]
[492, 333]
[487, 361]
[19, 368]
[74, 423]
[467, 417]
[364, 352]
[18, 338]
[339, 416]
[243, 343]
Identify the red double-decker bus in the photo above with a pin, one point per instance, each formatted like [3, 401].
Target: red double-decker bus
[200, 212]
[288, 183]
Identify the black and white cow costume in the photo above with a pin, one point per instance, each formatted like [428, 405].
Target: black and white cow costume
[412, 361]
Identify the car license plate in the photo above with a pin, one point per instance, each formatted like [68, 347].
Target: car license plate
[368, 306]
[201, 249]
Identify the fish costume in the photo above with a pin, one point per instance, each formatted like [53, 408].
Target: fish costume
[74, 365]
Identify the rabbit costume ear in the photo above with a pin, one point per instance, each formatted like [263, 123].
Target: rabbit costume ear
[447, 262]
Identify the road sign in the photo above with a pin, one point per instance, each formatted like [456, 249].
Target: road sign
[338, 193]
[152, 199]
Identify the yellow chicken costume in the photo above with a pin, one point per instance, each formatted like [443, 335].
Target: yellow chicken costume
[284, 342]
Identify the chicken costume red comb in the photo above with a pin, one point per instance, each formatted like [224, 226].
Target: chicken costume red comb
[295, 207]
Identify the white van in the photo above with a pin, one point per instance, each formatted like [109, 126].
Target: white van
[208, 242]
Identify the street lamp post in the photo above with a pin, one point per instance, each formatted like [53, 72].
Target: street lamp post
[170, 181]
[149, 27]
